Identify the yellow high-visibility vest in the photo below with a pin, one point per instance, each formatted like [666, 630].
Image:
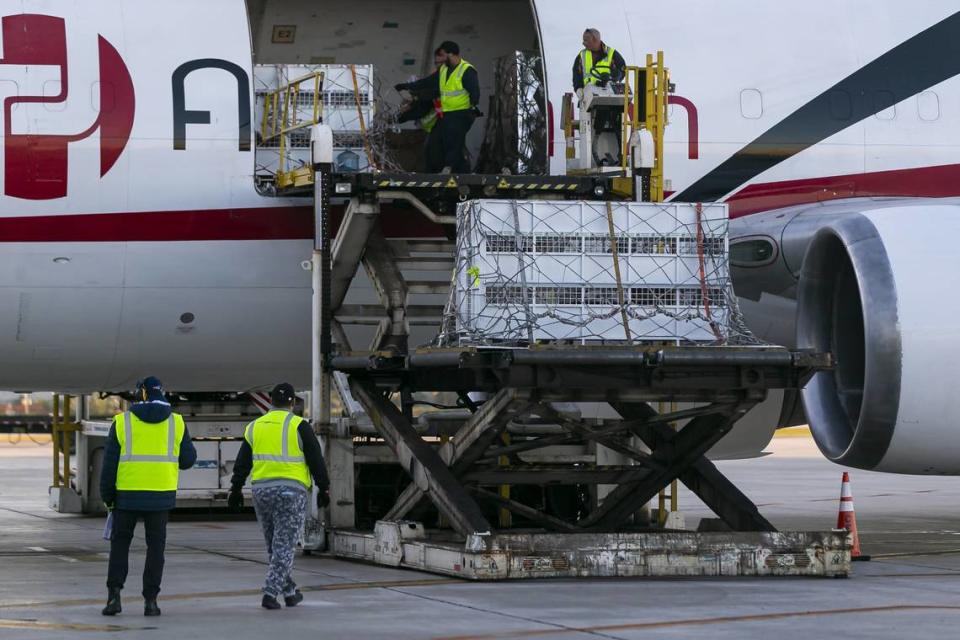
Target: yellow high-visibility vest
[593, 70]
[149, 453]
[277, 450]
[453, 97]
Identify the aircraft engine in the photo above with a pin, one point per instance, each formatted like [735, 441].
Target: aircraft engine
[880, 289]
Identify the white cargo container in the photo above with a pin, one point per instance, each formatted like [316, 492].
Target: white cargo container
[541, 270]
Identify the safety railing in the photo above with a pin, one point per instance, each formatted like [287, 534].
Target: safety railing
[647, 110]
[285, 111]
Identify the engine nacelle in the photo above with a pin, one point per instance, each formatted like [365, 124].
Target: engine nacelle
[879, 290]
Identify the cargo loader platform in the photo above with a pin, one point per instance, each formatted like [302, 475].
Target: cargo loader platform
[461, 475]
[457, 187]
[515, 556]
[517, 477]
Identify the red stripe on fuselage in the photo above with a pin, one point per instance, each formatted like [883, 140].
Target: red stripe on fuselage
[264, 223]
[296, 223]
[923, 182]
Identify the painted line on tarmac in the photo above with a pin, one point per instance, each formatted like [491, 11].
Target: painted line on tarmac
[39, 625]
[909, 554]
[886, 576]
[527, 633]
[236, 593]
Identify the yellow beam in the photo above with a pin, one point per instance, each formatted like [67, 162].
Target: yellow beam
[55, 433]
[505, 517]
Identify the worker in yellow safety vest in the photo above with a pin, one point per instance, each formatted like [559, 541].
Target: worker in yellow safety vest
[433, 109]
[282, 451]
[146, 448]
[457, 86]
[425, 108]
[596, 64]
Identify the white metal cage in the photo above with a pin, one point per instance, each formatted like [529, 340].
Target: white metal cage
[349, 108]
[579, 271]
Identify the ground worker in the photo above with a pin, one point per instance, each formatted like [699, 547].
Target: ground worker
[285, 456]
[457, 85]
[425, 109]
[597, 63]
[146, 448]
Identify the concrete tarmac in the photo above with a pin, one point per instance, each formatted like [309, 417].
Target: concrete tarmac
[53, 568]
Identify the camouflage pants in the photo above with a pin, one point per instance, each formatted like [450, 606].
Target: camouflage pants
[281, 512]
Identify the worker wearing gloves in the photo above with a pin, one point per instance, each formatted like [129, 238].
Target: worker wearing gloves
[285, 457]
[146, 448]
[457, 86]
[596, 63]
[425, 109]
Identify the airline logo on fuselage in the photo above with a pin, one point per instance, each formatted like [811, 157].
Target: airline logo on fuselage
[35, 162]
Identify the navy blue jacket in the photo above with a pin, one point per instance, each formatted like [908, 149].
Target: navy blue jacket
[152, 412]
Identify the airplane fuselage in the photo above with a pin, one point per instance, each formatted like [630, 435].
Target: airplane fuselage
[132, 237]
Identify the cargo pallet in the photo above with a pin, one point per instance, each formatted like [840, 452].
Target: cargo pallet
[452, 474]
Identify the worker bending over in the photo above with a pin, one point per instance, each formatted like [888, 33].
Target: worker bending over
[457, 85]
[286, 460]
[146, 448]
[597, 63]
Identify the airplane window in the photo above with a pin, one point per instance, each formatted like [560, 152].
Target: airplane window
[754, 252]
[751, 104]
[884, 105]
[105, 92]
[928, 106]
[51, 89]
[841, 107]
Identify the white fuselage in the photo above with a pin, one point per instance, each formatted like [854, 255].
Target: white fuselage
[170, 263]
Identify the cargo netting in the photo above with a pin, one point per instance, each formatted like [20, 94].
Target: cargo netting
[591, 272]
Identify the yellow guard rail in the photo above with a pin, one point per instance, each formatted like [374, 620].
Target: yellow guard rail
[282, 116]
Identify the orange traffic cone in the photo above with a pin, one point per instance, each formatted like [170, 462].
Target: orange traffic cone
[847, 518]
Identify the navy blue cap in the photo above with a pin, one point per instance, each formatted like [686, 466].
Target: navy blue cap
[152, 386]
[282, 395]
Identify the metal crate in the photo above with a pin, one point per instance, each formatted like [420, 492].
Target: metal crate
[540, 270]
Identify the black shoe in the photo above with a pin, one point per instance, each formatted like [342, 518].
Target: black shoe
[113, 603]
[294, 600]
[150, 607]
[269, 602]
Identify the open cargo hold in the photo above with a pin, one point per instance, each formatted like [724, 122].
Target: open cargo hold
[396, 40]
